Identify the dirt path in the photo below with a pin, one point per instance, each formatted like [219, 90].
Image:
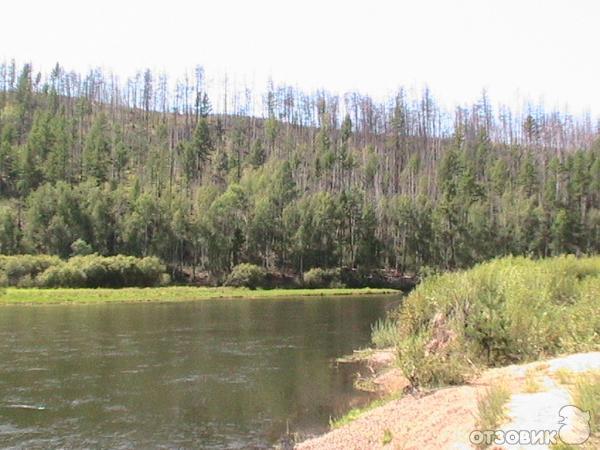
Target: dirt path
[445, 418]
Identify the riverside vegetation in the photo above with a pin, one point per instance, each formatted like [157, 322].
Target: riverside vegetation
[284, 179]
[118, 271]
[505, 311]
[34, 296]
[93, 278]
[89, 271]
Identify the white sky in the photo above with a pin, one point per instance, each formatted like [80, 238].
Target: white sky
[514, 48]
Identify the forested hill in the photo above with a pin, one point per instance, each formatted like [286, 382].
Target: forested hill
[285, 179]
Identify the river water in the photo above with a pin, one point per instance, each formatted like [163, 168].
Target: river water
[206, 374]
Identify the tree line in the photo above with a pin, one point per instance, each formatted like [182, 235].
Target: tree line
[285, 179]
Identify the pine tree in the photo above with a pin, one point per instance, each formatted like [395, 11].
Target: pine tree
[57, 162]
[528, 176]
[199, 149]
[97, 150]
[10, 234]
[562, 232]
[257, 156]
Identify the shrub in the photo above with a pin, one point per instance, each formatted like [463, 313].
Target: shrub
[247, 275]
[131, 271]
[323, 278]
[507, 310]
[21, 270]
[61, 276]
[81, 248]
[358, 278]
[104, 271]
[81, 271]
[424, 368]
[425, 272]
[346, 277]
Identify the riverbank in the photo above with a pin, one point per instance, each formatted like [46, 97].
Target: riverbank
[516, 397]
[454, 337]
[34, 296]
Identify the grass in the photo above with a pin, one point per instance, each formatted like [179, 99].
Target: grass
[491, 407]
[365, 384]
[505, 311]
[586, 395]
[384, 333]
[585, 391]
[387, 437]
[355, 413]
[33, 296]
[564, 376]
[532, 383]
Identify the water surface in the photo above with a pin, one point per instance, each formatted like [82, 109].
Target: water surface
[206, 374]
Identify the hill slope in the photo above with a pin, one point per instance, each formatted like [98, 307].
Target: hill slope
[318, 181]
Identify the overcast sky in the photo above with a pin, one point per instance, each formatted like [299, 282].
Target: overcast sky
[515, 49]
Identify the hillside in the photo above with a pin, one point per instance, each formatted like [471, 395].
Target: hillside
[312, 180]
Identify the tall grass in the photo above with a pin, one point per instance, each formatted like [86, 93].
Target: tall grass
[586, 395]
[384, 333]
[491, 407]
[508, 310]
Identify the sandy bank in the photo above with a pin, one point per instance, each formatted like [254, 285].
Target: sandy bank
[444, 418]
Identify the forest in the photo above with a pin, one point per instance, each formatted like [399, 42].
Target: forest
[206, 179]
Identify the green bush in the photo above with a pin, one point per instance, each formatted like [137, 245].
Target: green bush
[21, 270]
[323, 278]
[504, 311]
[423, 368]
[81, 248]
[427, 272]
[80, 271]
[358, 278]
[101, 271]
[247, 275]
[63, 275]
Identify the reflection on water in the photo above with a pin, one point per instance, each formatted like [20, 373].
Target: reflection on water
[209, 374]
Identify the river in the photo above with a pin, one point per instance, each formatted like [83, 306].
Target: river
[205, 374]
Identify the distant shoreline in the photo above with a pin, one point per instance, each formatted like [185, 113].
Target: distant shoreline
[40, 296]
